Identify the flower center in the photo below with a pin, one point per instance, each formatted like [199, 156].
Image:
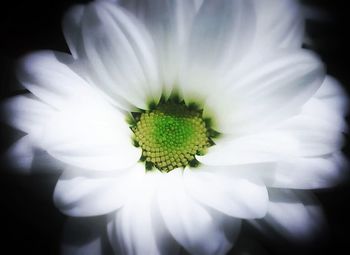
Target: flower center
[171, 135]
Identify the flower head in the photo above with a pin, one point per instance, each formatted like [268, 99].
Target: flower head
[177, 119]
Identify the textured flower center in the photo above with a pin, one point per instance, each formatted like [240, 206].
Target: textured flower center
[171, 135]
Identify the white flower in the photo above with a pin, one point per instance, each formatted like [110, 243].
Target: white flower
[240, 61]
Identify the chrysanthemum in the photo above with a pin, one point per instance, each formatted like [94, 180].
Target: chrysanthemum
[177, 119]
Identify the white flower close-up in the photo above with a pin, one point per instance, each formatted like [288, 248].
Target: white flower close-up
[178, 119]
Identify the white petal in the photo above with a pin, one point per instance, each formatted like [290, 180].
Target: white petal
[235, 197]
[309, 173]
[169, 23]
[191, 224]
[72, 23]
[273, 90]
[137, 228]
[280, 23]
[219, 29]
[85, 124]
[72, 29]
[264, 147]
[27, 114]
[330, 88]
[333, 95]
[294, 215]
[198, 4]
[78, 194]
[260, 173]
[315, 135]
[321, 110]
[120, 54]
[85, 236]
[50, 77]
[26, 158]
[90, 134]
[221, 34]
[21, 154]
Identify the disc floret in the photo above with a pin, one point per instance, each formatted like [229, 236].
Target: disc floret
[171, 135]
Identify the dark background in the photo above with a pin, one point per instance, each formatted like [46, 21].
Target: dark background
[30, 224]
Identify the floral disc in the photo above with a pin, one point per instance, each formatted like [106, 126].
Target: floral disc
[171, 135]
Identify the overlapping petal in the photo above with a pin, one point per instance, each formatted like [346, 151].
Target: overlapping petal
[27, 114]
[279, 24]
[92, 136]
[189, 222]
[334, 96]
[75, 124]
[272, 91]
[237, 197]
[169, 24]
[81, 194]
[25, 157]
[317, 137]
[137, 228]
[279, 116]
[118, 52]
[50, 76]
[218, 30]
[309, 172]
[258, 148]
[294, 215]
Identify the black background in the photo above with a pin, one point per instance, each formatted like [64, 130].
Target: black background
[30, 224]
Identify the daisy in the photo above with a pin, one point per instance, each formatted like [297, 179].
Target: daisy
[178, 119]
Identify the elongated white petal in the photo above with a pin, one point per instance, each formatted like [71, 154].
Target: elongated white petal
[271, 91]
[236, 197]
[90, 134]
[78, 194]
[219, 29]
[72, 23]
[120, 54]
[21, 154]
[294, 215]
[279, 24]
[191, 224]
[333, 95]
[169, 23]
[309, 173]
[27, 114]
[319, 127]
[80, 128]
[265, 147]
[315, 136]
[221, 34]
[85, 132]
[73, 32]
[321, 110]
[138, 228]
[330, 88]
[24, 157]
[50, 77]
[260, 173]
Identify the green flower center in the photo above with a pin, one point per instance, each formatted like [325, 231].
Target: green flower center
[171, 135]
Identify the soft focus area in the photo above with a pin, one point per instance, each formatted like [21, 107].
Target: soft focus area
[31, 223]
